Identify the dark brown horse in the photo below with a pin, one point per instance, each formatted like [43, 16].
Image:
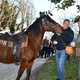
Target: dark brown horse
[35, 35]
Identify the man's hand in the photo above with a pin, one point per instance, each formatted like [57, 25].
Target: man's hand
[45, 45]
[55, 42]
[72, 44]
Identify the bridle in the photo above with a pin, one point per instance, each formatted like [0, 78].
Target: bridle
[52, 29]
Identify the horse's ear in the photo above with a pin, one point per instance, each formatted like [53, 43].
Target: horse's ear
[42, 14]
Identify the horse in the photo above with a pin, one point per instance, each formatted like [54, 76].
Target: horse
[35, 33]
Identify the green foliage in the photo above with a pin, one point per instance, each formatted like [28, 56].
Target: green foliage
[8, 15]
[55, 1]
[76, 18]
[66, 4]
[78, 7]
[3, 24]
[45, 13]
[49, 72]
[13, 23]
[4, 17]
[12, 29]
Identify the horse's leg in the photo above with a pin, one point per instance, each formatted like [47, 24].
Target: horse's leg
[29, 70]
[21, 70]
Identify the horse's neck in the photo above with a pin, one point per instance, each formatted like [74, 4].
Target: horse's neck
[37, 39]
[42, 35]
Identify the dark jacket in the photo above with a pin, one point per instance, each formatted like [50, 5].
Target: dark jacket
[45, 42]
[67, 37]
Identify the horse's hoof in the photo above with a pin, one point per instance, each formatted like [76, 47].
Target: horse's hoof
[17, 63]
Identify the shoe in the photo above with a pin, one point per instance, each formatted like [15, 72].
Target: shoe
[57, 79]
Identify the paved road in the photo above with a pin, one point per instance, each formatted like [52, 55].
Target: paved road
[9, 71]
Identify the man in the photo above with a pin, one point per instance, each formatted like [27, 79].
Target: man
[45, 44]
[77, 45]
[61, 56]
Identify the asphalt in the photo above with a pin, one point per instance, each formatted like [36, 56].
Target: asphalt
[9, 71]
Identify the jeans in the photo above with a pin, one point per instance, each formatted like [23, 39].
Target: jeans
[78, 62]
[48, 52]
[61, 57]
[44, 51]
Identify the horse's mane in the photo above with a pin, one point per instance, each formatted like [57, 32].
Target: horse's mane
[35, 27]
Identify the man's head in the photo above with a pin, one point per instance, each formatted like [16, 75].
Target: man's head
[66, 24]
[77, 20]
[45, 37]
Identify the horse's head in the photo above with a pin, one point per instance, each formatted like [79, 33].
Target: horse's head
[51, 25]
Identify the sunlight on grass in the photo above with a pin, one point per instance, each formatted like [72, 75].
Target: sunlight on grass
[50, 61]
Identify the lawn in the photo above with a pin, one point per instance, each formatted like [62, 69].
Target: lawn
[49, 71]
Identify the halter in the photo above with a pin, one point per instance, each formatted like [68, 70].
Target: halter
[52, 29]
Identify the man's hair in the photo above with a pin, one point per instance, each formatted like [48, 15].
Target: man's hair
[77, 19]
[66, 20]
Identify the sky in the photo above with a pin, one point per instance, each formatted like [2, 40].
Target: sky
[41, 5]
[58, 16]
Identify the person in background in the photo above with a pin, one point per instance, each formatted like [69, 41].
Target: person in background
[61, 56]
[40, 50]
[77, 45]
[75, 37]
[49, 49]
[45, 44]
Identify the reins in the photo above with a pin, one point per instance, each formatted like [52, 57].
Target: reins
[52, 29]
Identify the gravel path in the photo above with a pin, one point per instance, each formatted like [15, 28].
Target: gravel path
[9, 71]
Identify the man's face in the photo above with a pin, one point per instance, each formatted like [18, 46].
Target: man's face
[79, 24]
[65, 24]
[46, 37]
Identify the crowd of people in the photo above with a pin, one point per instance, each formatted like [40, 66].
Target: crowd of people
[46, 48]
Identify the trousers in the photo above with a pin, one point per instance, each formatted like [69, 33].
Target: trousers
[61, 57]
[44, 51]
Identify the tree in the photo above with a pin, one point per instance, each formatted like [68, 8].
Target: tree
[65, 4]
[30, 16]
[4, 12]
[27, 9]
[8, 15]
[11, 10]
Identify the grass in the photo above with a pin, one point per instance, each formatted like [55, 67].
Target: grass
[49, 72]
